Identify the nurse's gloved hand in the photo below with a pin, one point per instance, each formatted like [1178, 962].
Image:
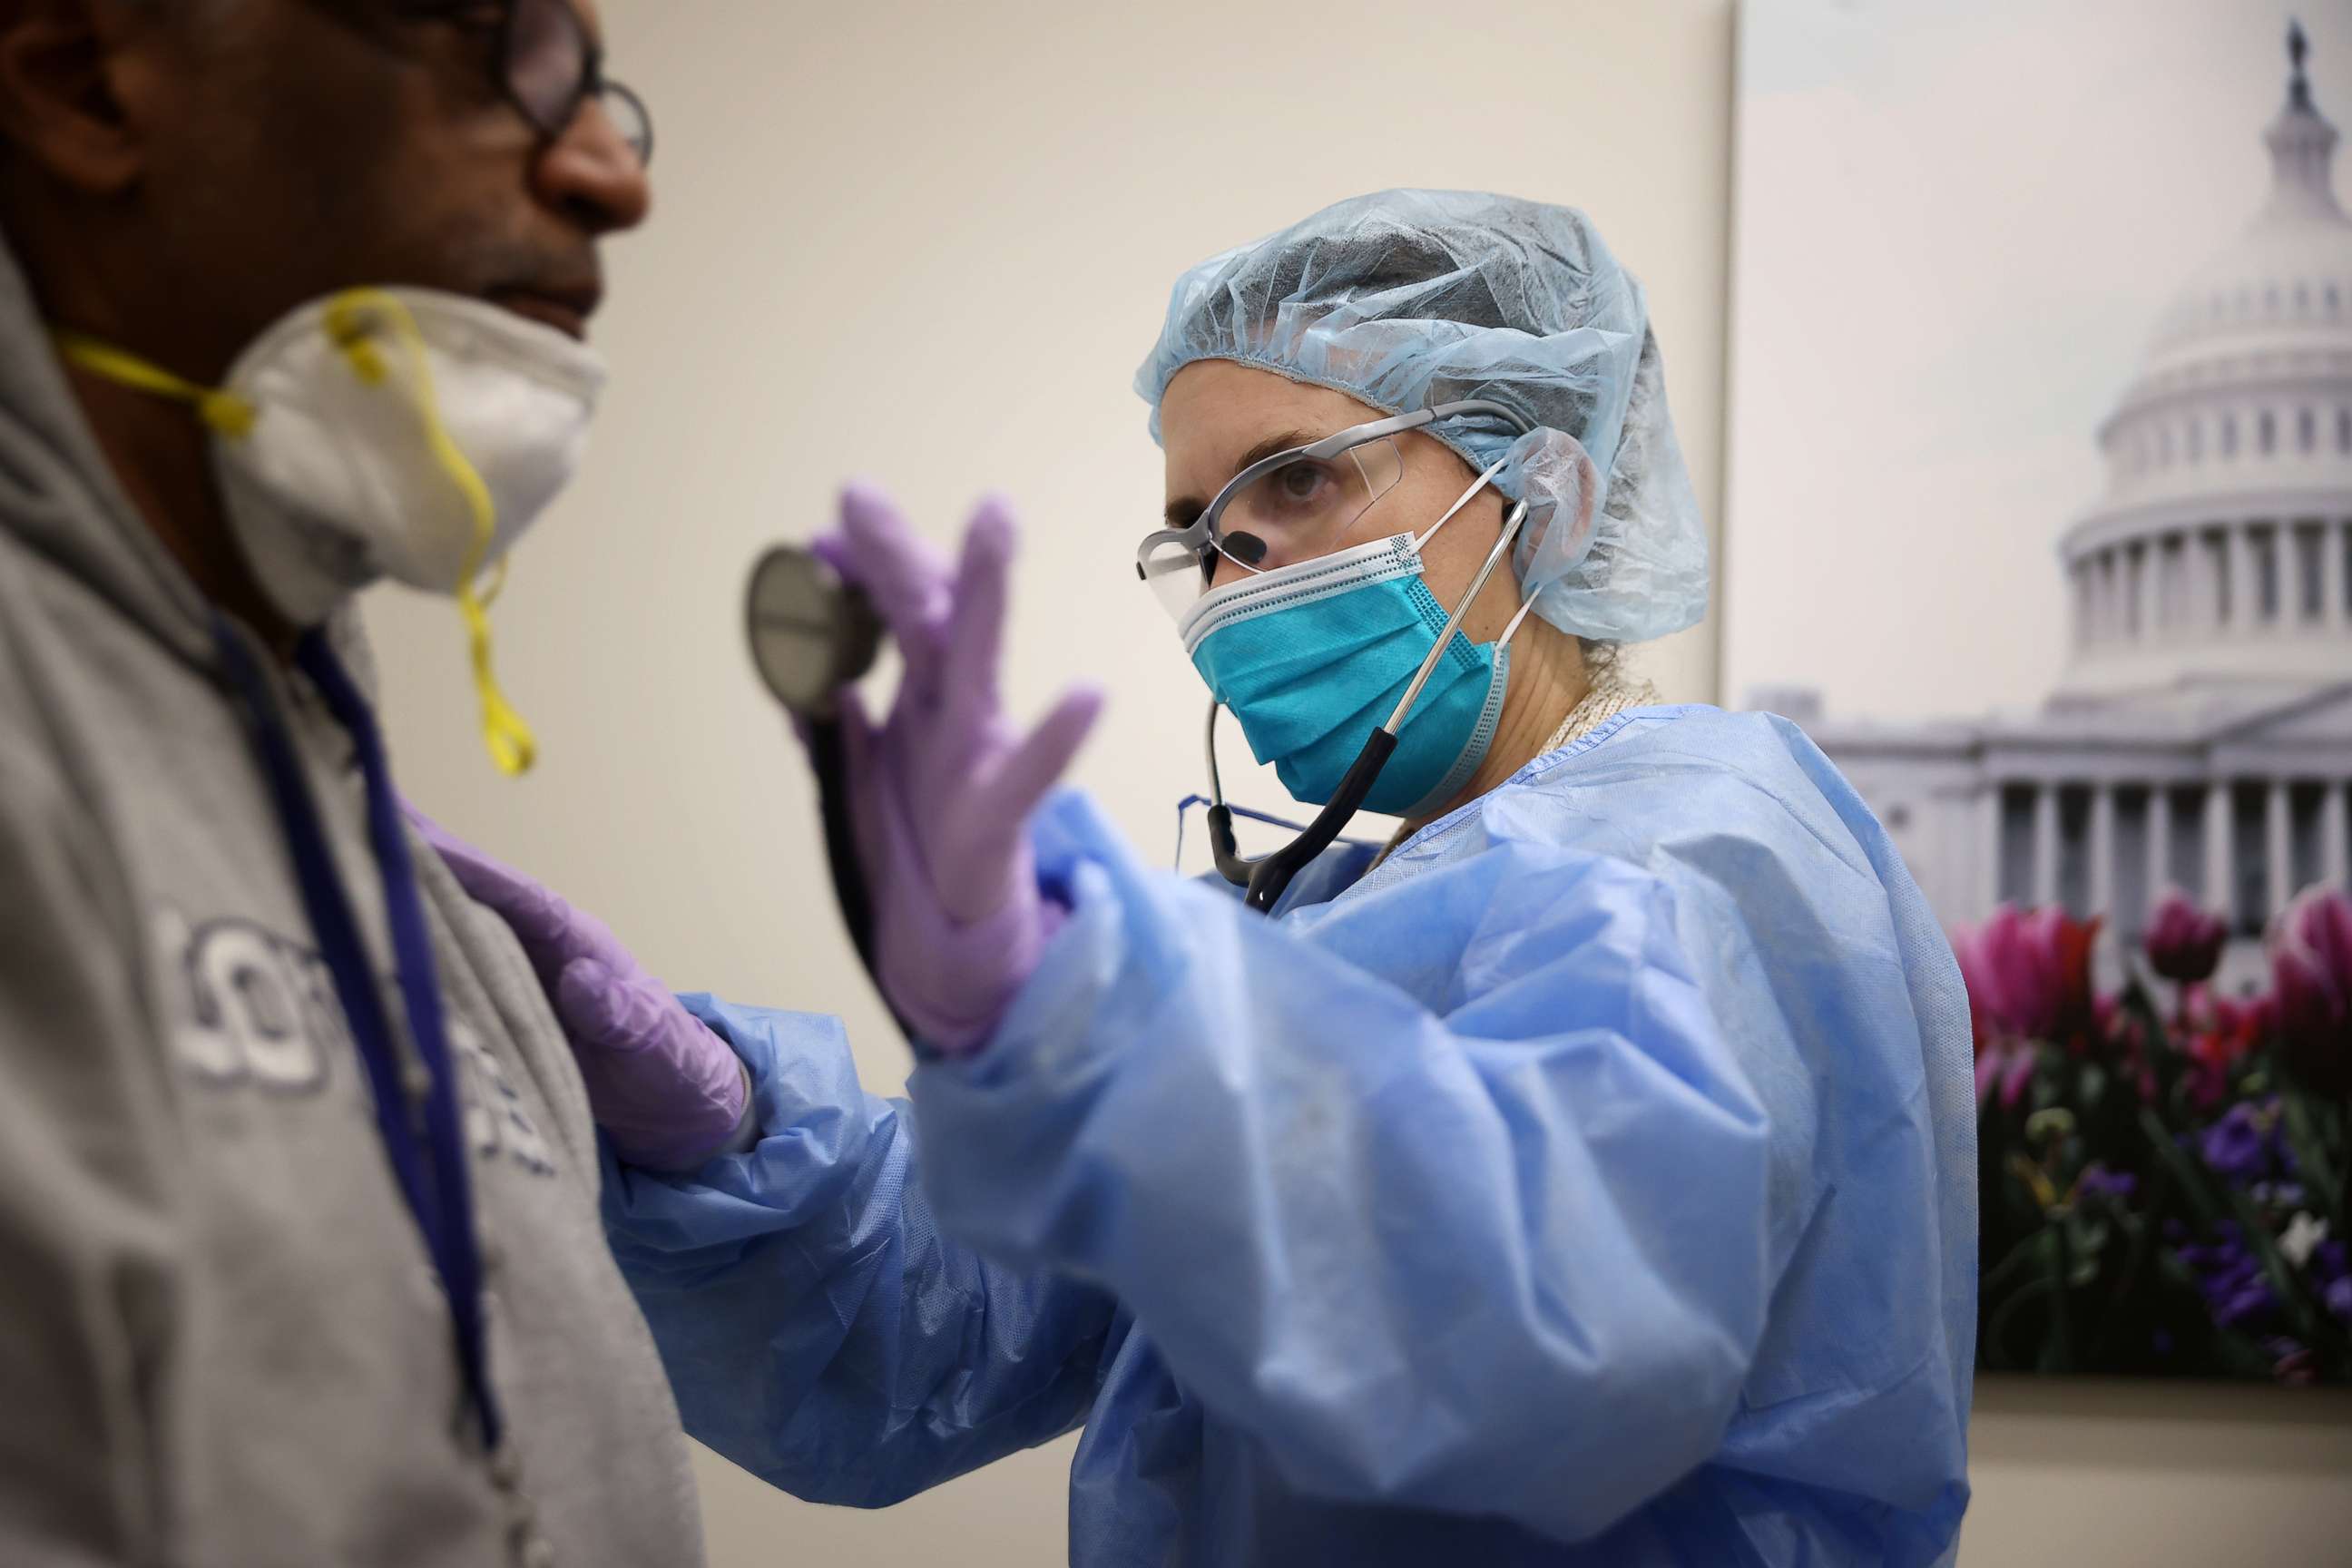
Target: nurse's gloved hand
[668, 1091]
[943, 790]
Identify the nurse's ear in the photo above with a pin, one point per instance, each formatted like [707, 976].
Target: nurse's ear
[1552, 472]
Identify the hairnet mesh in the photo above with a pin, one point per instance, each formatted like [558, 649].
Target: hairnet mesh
[1404, 299]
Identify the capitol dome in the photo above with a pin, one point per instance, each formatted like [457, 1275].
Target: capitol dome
[2221, 552]
[2202, 737]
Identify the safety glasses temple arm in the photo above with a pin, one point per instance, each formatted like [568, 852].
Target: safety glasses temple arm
[1332, 446]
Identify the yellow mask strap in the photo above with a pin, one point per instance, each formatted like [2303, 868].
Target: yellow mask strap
[350, 317]
[223, 411]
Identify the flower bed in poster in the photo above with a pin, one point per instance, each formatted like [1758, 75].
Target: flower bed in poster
[2163, 1169]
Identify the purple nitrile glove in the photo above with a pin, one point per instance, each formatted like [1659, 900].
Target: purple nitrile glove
[941, 792]
[669, 1092]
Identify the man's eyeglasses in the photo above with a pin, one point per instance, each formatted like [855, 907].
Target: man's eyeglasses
[549, 66]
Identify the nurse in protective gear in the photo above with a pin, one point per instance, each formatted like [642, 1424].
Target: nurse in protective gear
[1586, 1177]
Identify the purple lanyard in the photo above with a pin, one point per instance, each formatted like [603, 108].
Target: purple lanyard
[422, 1136]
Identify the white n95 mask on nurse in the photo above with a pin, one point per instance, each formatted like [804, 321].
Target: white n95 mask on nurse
[398, 433]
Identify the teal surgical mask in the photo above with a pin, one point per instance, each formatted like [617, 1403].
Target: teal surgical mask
[1312, 657]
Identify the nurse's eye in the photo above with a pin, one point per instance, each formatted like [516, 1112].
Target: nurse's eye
[1300, 486]
[1286, 509]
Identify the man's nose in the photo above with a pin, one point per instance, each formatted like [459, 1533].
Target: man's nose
[593, 173]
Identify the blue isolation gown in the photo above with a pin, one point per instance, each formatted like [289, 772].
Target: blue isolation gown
[1593, 1182]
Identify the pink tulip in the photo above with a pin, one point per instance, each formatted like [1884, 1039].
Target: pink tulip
[2028, 975]
[2029, 979]
[2006, 1065]
[1976, 976]
[2184, 942]
[2311, 976]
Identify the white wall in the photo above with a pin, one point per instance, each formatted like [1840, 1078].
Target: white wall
[929, 243]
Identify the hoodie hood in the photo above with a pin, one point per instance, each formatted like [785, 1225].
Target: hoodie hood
[60, 496]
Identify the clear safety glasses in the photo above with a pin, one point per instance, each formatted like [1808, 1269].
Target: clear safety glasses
[1290, 507]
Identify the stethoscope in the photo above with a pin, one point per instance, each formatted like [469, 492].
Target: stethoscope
[812, 634]
[1268, 877]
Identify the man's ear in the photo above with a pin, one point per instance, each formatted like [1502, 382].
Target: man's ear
[61, 67]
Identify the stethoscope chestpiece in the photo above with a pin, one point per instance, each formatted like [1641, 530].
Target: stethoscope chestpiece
[811, 633]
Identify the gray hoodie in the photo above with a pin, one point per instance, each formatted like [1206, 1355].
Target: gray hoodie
[220, 1341]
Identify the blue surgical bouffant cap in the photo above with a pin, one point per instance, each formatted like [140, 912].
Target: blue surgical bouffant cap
[1404, 299]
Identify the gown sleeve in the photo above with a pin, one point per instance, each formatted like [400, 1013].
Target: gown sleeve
[817, 1328]
[1462, 1209]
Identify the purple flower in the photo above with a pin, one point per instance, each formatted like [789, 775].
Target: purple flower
[2184, 942]
[2240, 1305]
[2240, 1147]
[2239, 1295]
[2236, 1292]
[2097, 1182]
[2332, 1271]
